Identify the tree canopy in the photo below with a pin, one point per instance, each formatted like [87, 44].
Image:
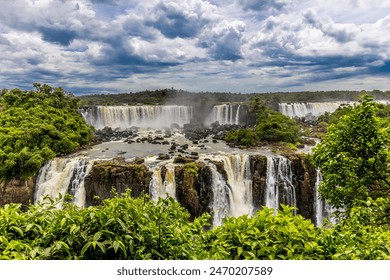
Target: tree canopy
[36, 126]
[354, 157]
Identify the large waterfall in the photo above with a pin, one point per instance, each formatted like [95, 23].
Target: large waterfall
[279, 187]
[224, 114]
[141, 116]
[239, 178]
[304, 109]
[229, 184]
[61, 176]
[233, 196]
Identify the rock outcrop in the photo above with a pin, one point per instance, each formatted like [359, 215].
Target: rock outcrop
[193, 187]
[17, 191]
[259, 181]
[117, 175]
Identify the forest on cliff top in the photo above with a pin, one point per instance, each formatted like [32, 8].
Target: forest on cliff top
[181, 97]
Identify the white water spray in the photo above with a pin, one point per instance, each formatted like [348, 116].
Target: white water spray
[160, 188]
[61, 176]
[322, 209]
[141, 116]
[279, 185]
[224, 114]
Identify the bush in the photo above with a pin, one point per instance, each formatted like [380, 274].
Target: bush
[276, 127]
[138, 228]
[242, 137]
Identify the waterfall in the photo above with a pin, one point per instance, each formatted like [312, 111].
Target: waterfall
[220, 203]
[239, 180]
[271, 196]
[322, 209]
[304, 109]
[61, 176]
[160, 188]
[279, 186]
[224, 114]
[237, 118]
[141, 116]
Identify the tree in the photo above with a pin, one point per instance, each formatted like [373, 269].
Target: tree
[353, 157]
[273, 126]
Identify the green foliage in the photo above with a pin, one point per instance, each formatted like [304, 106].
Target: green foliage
[35, 126]
[121, 228]
[363, 234]
[354, 157]
[265, 236]
[273, 126]
[191, 167]
[242, 137]
[139, 228]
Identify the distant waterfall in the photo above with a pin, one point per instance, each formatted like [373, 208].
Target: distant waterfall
[322, 209]
[279, 186]
[304, 109]
[141, 116]
[160, 188]
[224, 114]
[61, 176]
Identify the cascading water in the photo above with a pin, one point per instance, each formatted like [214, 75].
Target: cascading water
[141, 116]
[224, 114]
[279, 186]
[322, 209]
[304, 109]
[160, 188]
[220, 203]
[237, 118]
[61, 176]
[239, 183]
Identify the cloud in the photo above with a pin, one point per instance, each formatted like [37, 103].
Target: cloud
[119, 45]
[340, 32]
[264, 5]
[224, 40]
[61, 36]
[184, 19]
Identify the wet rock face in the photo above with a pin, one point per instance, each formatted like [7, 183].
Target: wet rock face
[193, 187]
[304, 177]
[17, 191]
[117, 175]
[259, 181]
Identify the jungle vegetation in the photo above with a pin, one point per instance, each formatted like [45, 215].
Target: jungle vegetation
[139, 228]
[36, 126]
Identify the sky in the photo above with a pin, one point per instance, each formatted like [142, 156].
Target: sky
[111, 46]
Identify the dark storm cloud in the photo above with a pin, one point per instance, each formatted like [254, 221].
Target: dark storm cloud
[60, 36]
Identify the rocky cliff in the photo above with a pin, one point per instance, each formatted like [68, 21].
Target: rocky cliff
[118, 176]
[193, 182]
[17, 191]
